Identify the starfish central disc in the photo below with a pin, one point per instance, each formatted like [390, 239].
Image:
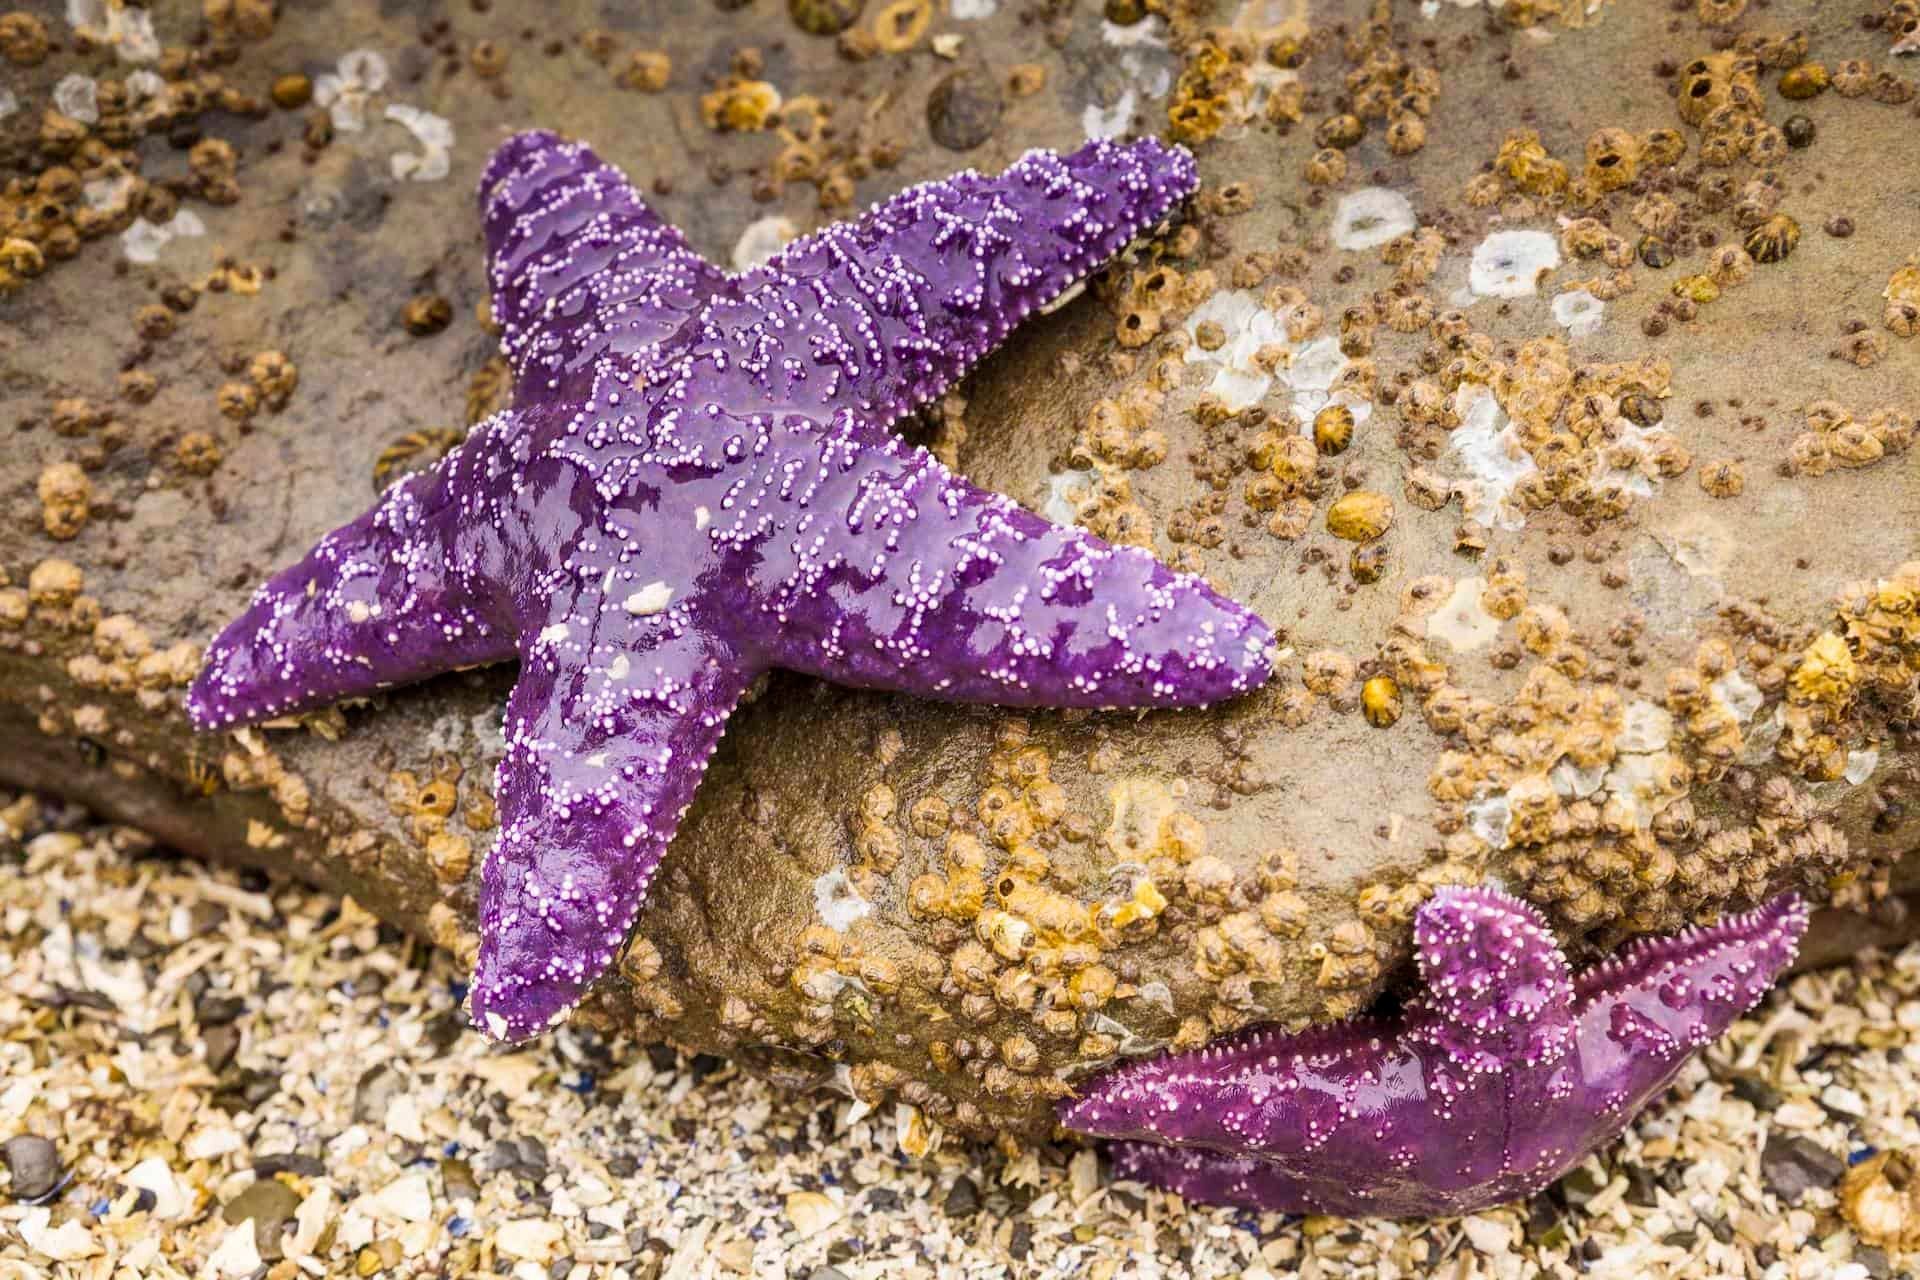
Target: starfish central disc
[696, 482]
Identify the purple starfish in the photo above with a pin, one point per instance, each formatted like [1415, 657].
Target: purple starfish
[695, 484]
[1502, 1075]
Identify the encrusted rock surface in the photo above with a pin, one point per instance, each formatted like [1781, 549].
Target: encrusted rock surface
[1674, 667]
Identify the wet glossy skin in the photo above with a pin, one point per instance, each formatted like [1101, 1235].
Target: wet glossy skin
[696, 483]
[1500, 1077]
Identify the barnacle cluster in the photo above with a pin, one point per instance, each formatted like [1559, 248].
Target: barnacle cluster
[1834, 437]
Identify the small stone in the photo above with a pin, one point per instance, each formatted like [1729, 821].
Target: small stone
[374, 1092]
[221, 1044]
[1791, 1165]
[529, 1239]
[963, 110]
[1583, 1184]
[963, 1198]
[34, 1164]
[270, 1204]
[1752, 1089]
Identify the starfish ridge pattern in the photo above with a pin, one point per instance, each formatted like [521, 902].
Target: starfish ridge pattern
[696, 483]
[1499, 1077]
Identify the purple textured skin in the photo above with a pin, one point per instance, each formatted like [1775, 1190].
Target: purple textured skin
[696, 483]
[1502, 1075]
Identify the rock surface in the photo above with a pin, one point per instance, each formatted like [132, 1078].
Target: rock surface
[1676, 668]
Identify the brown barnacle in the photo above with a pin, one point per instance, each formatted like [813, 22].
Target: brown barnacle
[1284, 913]
[1774, 239]
[1730, 266]
[1853, 78]
[1406, 133]
[1427, 489]
[1613, 158]
[1723, 478]
[1826, 674]
[1208, 880]
[1485, 190]
[274, 376]
[1010, 936]
[1326, 167]
[237, 401]
[65, 495]
[1327, 672]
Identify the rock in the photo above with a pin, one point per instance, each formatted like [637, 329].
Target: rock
[1791, 1165]
[34, 1165]
[221, 1043]
[270, 1205]
[374, 1093]
[1711, 609]
[963, 1198]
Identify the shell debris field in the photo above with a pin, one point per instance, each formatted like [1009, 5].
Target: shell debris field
[282, 1090]
[1568, 453]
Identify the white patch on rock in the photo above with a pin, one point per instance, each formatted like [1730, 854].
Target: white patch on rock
[143, 241]
[345, 90]
[1060, 506]
[1742, 696]
[78, 96]
[1308, 371]
[1648, 727]
[973, 10]
[1488, 816]
[1145, 63]
[1485, 442]
[838, 903]
[1461, 621]
[8, 103]
[127, 29]
[1509, 264]
[1371, 216]
[435, 136]
[1579, 313]
[1860, 766]
[554, 633]
[763, 238]
[108, 194]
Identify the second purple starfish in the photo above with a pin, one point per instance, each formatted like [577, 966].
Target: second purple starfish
[1502, 1075]
[696, 483]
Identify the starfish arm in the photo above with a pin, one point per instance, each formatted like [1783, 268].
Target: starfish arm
[896, 574]
[404, 592]
[1495, 980]
[579, 266]
[608, 731]
[889, 310]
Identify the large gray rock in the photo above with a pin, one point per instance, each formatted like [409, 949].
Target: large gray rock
[1635, 717]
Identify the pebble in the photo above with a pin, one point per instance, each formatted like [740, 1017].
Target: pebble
[963, 110]
[34, 1164]
[1791, 1166]
[963, 1200]
[270, 1205]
